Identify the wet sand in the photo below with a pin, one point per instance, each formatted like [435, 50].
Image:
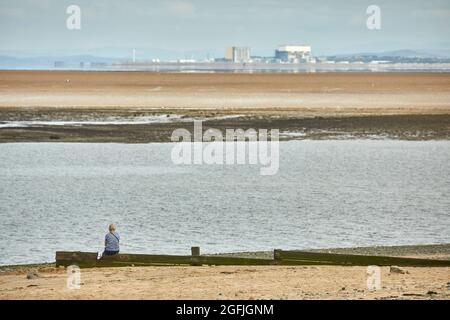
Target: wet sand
[398, 127]
[243, 282]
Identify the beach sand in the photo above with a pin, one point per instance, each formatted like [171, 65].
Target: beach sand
[238, 282]
[325, 282]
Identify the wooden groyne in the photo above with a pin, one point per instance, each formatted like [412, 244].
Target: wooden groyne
[89, 260]
[315, 258]
[281, 257]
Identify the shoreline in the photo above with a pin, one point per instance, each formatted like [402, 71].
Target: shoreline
[425, 251]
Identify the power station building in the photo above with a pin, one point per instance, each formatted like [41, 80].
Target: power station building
[237, 54]
[293, 53]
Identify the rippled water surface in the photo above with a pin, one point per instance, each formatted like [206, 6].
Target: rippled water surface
[326, 194]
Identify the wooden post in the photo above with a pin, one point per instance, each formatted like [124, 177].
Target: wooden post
[276, 254]
[195, 252]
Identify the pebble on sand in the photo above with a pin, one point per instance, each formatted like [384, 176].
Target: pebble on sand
[395, 269]
[32, 275]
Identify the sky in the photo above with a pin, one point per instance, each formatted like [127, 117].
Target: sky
[196, 28]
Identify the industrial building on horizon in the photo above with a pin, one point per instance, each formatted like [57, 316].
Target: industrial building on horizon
[293, 53]
[237, 54]
[286, 58]
[283, 54]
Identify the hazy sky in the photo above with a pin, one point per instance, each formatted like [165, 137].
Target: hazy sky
[202, 26]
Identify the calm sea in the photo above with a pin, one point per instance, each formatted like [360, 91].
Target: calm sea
[327, 194]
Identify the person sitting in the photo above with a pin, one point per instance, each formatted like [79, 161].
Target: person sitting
[112, 240]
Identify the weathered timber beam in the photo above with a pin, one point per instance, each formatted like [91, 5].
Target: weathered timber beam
[286, 257]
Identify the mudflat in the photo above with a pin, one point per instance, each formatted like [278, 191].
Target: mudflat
[407, 106]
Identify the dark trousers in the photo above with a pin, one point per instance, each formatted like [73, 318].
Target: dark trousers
[109, 253]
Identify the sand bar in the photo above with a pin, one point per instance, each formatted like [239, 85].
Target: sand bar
[317, 93]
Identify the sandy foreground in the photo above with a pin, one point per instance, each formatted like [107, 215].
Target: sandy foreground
[238, 282]
[229, 283]
[325, 93]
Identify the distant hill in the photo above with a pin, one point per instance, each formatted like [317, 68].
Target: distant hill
[9, 62]
[406, 55]
[44, 60]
